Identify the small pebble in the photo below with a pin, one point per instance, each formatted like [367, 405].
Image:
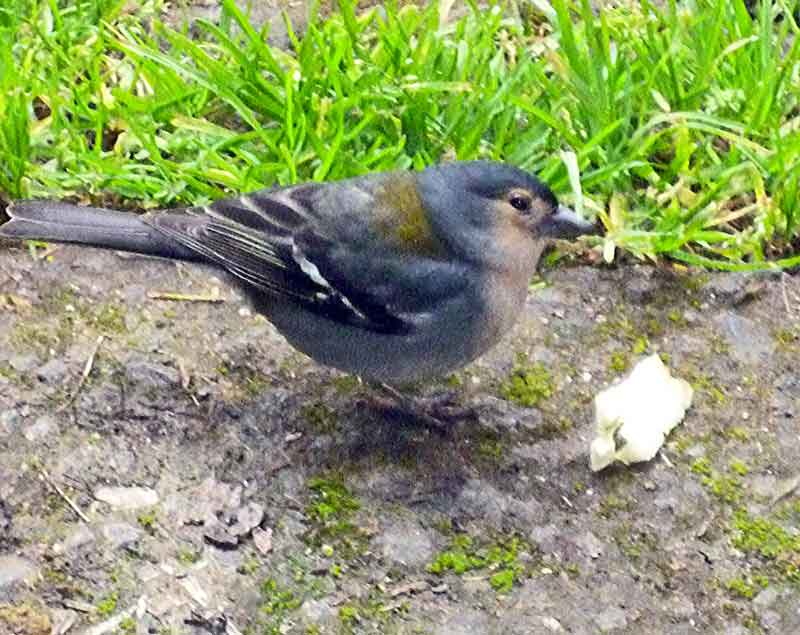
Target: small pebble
[262, 538]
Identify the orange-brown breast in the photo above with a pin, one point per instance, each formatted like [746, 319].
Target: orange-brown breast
[505, 285]
[514, 239]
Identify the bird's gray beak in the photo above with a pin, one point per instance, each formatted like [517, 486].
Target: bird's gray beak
[565, 224]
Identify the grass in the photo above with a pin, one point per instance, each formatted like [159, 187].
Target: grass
[677, 123]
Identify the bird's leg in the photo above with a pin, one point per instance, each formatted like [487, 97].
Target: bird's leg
[439, 412]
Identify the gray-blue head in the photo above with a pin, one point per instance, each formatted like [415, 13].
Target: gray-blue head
[484, 195]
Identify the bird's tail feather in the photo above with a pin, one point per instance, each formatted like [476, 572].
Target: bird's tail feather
[65, 223]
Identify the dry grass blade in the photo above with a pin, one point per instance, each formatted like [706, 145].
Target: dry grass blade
[73, 506]
[212, 297]
[87, 369]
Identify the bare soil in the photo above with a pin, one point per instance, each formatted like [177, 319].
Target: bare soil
[253, 491]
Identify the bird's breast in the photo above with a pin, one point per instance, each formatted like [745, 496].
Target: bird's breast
[502, 300]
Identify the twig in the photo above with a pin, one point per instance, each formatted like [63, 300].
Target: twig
[212, 297]
[279, 466]
[87, 369]
[77, 605]
[786, 302]
[61, 493]
[186, 381]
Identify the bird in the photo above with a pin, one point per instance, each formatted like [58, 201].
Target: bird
[396, 277]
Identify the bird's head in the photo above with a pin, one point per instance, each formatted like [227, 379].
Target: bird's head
[497, 202]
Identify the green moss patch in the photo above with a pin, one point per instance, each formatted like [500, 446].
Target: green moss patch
[528, 384]
[499, 560]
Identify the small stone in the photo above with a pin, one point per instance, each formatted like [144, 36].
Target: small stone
[208, 499]
[415, 586]
[612, 618]
[78, 605]
[127, 497]
[552, 624]
[14, 569]
[262, 538]
[63, 621]
[120, 535]
[219, 536]
[247, 517]
[546, 536]
[78, 539]
[405, 542]
[149, 375]
[52, 372]
[590, 545]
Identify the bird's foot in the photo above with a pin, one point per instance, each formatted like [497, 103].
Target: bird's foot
[439, 412]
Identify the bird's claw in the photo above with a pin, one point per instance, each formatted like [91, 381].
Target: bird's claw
[440, 412]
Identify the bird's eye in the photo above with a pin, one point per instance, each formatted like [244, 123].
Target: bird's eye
[520, 202]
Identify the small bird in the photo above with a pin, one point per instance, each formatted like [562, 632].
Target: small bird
[395, 277]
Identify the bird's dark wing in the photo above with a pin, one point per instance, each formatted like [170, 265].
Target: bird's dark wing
[315, 244]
